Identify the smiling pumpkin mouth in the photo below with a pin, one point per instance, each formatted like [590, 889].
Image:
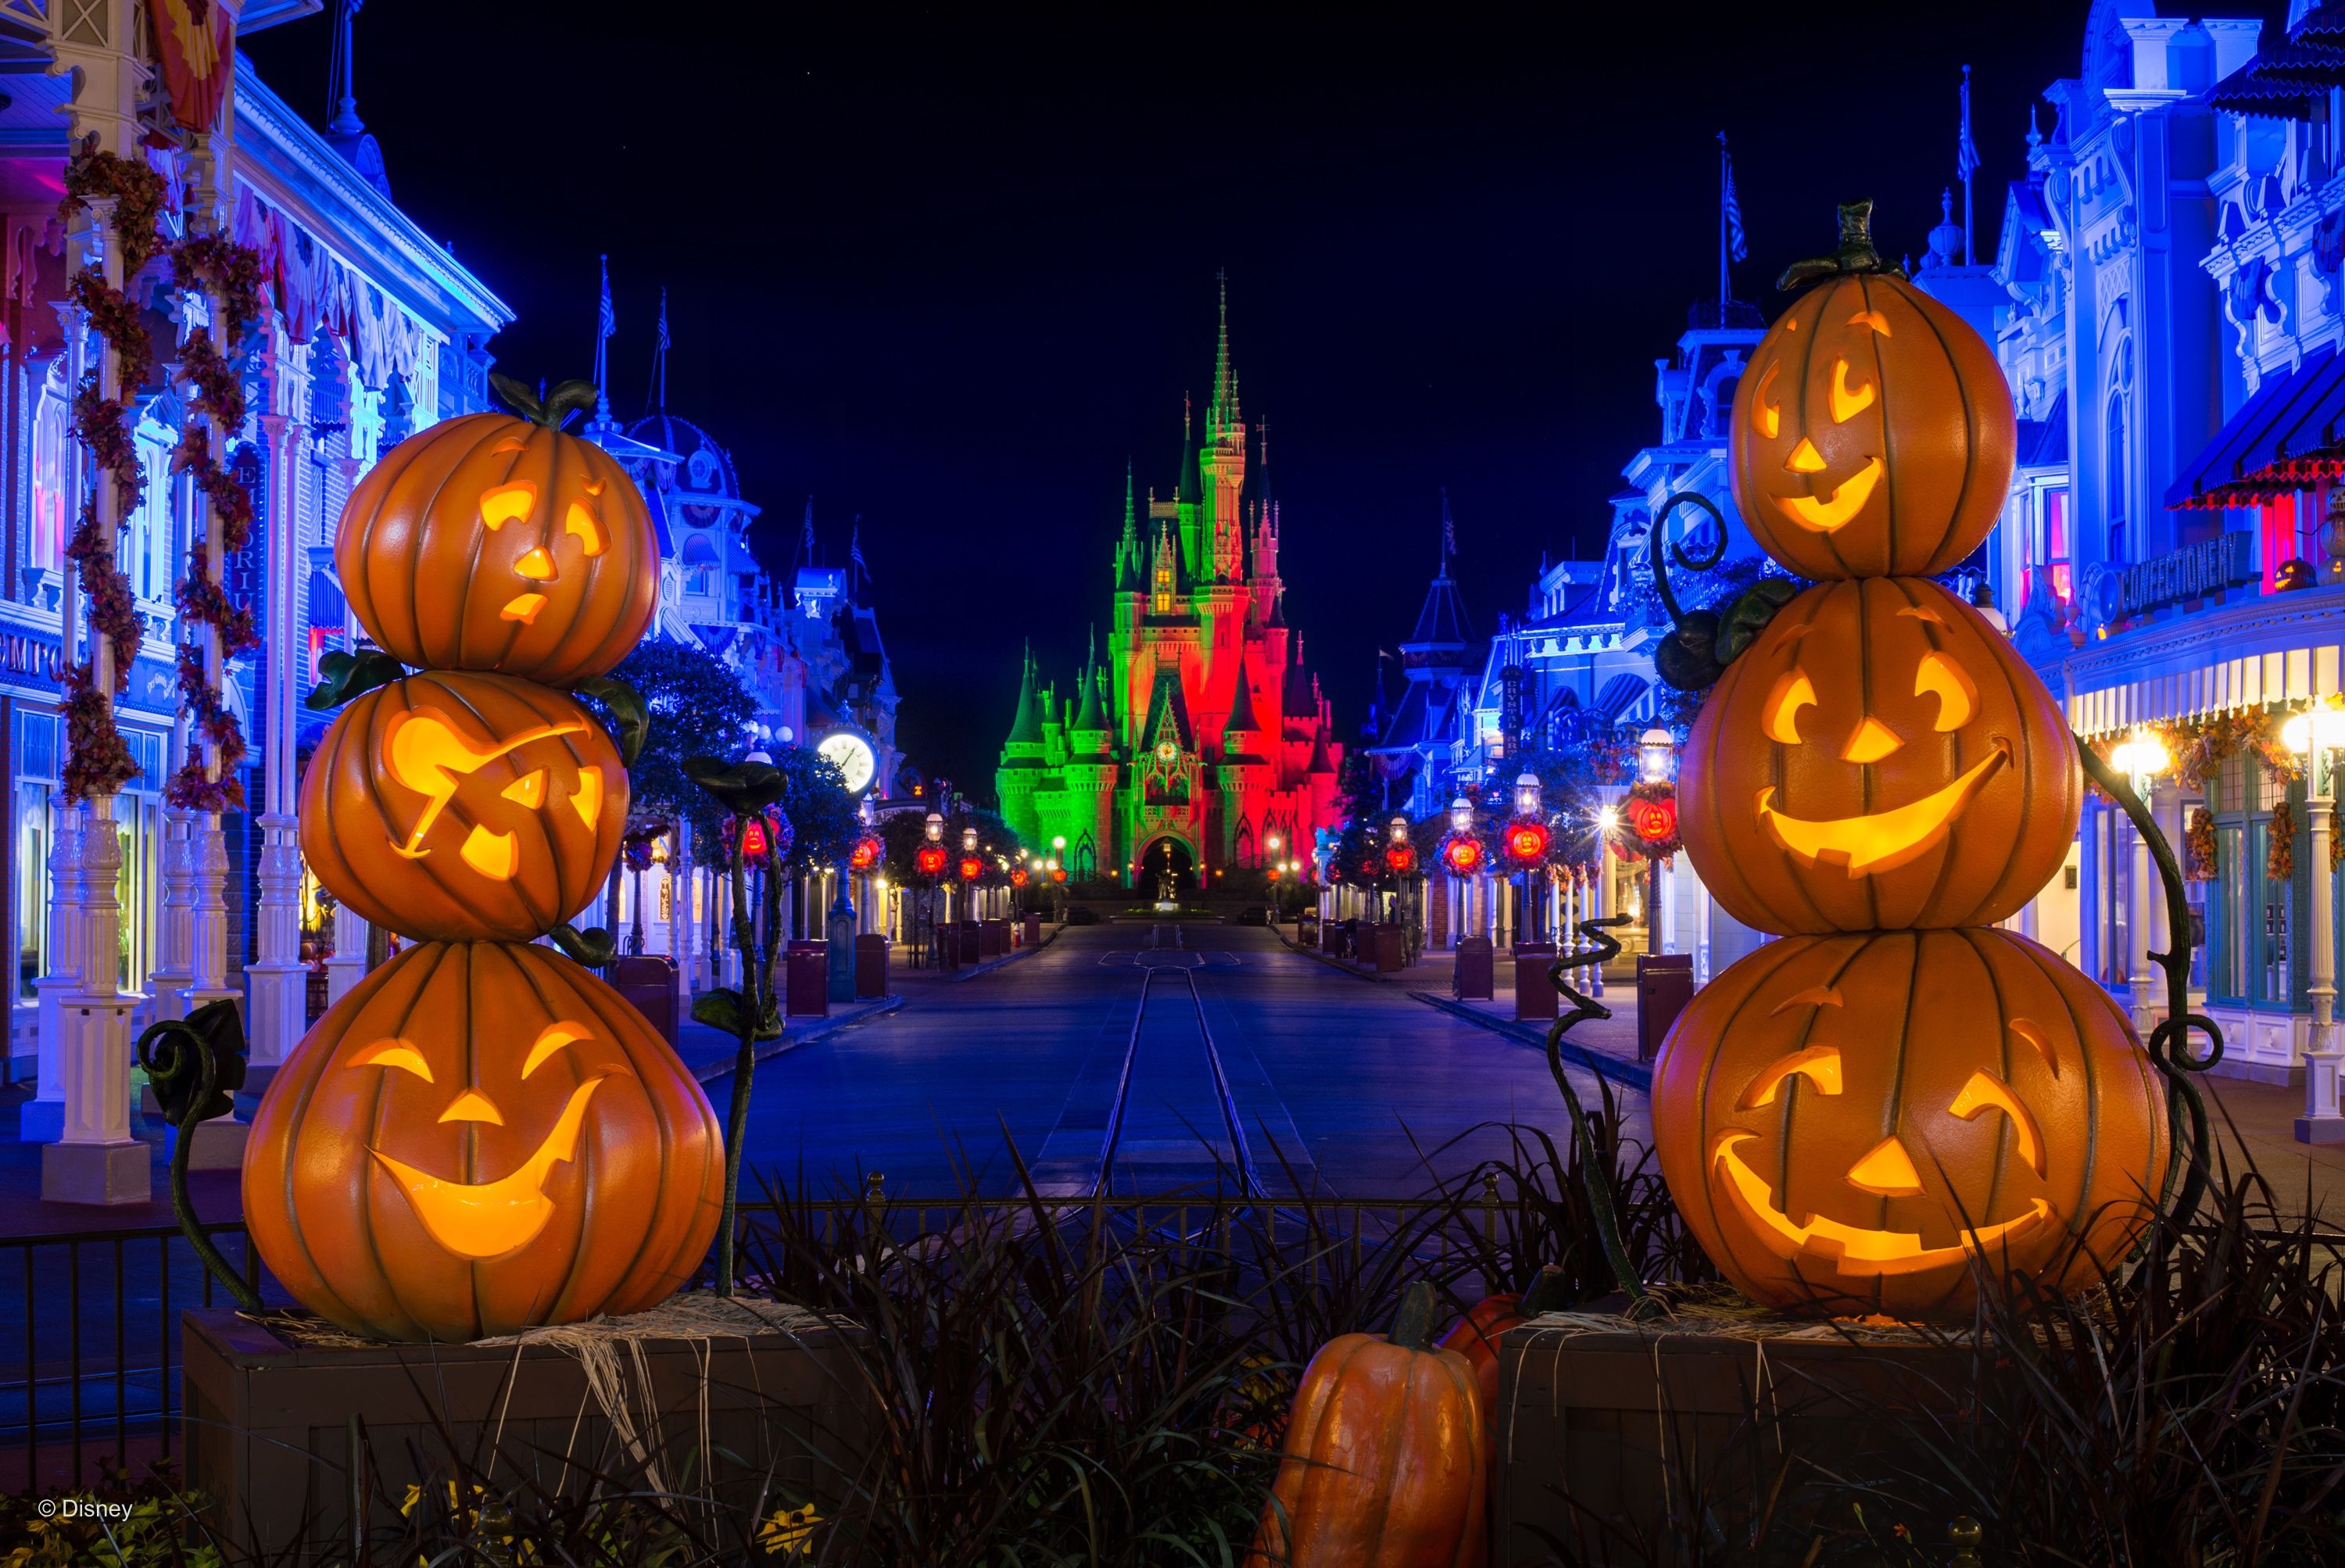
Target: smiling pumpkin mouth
[1884, 841]
[488, 1220]
[1830, 514]
[1856, 1253]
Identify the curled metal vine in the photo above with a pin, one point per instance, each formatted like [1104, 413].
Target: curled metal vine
[1604, 949]
[194, 1064]
[2170, 1042]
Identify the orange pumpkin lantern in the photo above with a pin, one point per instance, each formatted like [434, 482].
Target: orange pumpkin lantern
[456, 807]
[1878, 759]
[1848, 1123]
[1872, 435]
[495, 543]
[477, 1139]
[1387, 1457]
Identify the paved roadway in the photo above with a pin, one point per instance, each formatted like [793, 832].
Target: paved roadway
[1332, 1083]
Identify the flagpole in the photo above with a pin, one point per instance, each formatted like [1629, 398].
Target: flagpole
[1970, 257]
[1725, 291]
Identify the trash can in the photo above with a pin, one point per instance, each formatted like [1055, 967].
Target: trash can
[1391, 948]
[805, 985]
[1033, 929]
[870, 966]
[1534, 992]
[993, 938]
[972, 942]
[839, 958]
[1475, 979]
[1664, 985]
[649, 981]
[1306, 929]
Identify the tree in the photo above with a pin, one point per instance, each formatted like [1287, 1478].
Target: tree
[698, 708]
[820, 811]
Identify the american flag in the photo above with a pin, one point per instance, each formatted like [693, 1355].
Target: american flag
[1966, 152]
[1735, 243]
[855, 548]
[608, 322]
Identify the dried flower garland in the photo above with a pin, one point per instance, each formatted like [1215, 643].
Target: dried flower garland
[2199, 846]
[98, 760]
[2279, 860]
[228, 275]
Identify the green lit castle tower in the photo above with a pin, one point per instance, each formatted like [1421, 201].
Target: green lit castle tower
[1199, 741]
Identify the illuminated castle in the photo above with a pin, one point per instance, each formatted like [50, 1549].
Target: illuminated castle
[1200, 741]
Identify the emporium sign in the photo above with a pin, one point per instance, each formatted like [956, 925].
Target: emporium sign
[2192, 571]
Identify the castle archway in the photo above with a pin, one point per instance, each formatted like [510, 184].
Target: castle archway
[1164, 858]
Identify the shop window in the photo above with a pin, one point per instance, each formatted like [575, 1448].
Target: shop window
[2227, 944]
[2051, 544]
[2268, 917]
[2115, 479]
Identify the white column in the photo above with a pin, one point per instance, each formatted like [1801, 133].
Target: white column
[348, 964]
[1701, 914]
[175, 938]
[274, 1012]
[2140, 975]
[96, 1160]
[2323, 1122]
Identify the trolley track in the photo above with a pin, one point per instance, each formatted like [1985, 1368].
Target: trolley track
[1157, 1040]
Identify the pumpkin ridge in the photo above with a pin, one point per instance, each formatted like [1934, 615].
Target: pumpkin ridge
[2078, 1220]
[1988, 1206]
[2029, 770]
[372, 778]
[1896, 1096]
[526, 972]
[1864, 692]
[1786, 952]
[1953, 533]
[1950, 856]
[451, 898]
[1892, 518]
[428, 517]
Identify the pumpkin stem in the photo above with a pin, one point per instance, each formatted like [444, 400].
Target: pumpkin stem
[1549, 1292]
[566, 398]
[1412, 1327]
[1855, 254]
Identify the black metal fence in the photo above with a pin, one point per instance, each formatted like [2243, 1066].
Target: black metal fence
[89, 1329]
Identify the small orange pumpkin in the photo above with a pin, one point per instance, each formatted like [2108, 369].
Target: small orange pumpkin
[1879, 757]
[495, 543]
[1874, 434]
[480, 1137]
[1478, 1333]
[458, 808]
[1848, 1123]
[1387, 1457]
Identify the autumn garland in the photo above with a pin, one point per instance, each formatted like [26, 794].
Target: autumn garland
[98, 760]
[229, 276]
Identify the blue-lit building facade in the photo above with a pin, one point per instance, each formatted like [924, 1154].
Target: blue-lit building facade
[2167, 297]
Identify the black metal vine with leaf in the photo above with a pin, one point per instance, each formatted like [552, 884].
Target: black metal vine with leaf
[1603, 950]
[1702, 643]
[194, 1065]
[2170, 1042]
[753, 1012]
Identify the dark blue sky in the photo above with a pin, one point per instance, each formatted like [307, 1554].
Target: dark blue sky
[950, 274]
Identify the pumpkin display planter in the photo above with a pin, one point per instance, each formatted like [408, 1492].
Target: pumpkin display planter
[1847, 1123]
[478, 1138]
[1874, 434]
[1387, 1456]
[456, 807]
[1879, 757]
[489, 542]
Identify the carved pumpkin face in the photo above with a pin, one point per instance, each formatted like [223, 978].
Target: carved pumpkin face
[1872, 435]
[478, 1138]
[1878, 759]
[491, 543]
[1847, 1121]
[453, 808]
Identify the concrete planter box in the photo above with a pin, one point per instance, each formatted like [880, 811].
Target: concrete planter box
[268, 1424]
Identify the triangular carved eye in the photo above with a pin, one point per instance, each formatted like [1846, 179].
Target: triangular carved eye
[1888, 1171]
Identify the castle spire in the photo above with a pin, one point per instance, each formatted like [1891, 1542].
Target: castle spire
[1241, 720]
[1025, 728]
[1183, 486]
[1090, 717]
[1219, 417]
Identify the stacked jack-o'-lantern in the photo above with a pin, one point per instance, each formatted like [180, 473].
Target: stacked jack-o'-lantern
[1852, 1118]
[481, 1135]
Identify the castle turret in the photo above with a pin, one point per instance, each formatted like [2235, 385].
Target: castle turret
[1023, 762]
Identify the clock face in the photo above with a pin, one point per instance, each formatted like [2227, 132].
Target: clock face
[853, 757]
[1168, 752]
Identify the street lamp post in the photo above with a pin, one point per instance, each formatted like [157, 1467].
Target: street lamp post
[1657, 763]
[1461, 822]
[1528, 801]
[2313, 736]
[935, 828]
[2141, 758]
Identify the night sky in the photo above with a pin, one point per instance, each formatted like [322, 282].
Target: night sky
[951, 275]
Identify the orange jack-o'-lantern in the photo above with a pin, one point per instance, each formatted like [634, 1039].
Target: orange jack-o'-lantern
[1878, 758]
[456, 807]
[1872, 434]
[492, 543]
[1847, 1121]
[480, 1138]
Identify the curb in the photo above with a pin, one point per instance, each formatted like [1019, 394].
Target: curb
[813, 1032]
[1334, 964]
[991, 964]
[1603, 1064]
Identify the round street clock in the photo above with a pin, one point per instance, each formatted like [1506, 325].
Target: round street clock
[853, 757]
[1168, 752]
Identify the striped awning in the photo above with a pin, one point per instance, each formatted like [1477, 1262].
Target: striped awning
[2251, 680]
